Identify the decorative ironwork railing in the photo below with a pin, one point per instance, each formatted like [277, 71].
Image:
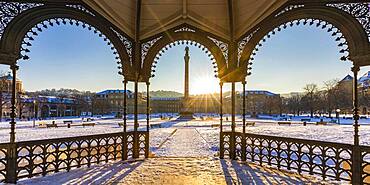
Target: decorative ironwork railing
[331, 161]
[41, 157]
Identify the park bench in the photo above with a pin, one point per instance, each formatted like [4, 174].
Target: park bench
[68, 122]
[284, 123]
[52, 125]
[250, 124]
[215, 125]
[321, 123]
[42, 124]
[88, 124]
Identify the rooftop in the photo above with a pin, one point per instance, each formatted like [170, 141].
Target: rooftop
[208, 15]
[113, 91]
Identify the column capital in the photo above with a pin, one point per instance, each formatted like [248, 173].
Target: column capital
[355, 68]
[360, 60]
[8, 58]
[14, 66]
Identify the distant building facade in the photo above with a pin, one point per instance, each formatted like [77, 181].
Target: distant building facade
[111, 102]
[257, 102]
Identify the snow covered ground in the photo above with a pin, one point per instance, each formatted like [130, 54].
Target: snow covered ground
[185, 152]
[192, 171]
[204, 134]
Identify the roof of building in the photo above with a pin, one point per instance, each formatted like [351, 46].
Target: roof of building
[209, 15]
[347, 78]
[268, 93]
[365, 77]
[113, 91]
[9, 76]
[48, 99]
[165, 98]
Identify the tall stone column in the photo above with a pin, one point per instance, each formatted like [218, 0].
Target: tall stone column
[186, 113]
[186, 86]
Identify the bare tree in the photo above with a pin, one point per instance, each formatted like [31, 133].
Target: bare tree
[330, 92]
[311, 97]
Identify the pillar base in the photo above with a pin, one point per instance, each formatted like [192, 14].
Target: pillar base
[185, 115]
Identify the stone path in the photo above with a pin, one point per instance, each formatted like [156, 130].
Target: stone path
[173, 171]
[185, 142]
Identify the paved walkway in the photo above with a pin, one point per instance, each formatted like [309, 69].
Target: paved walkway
[173, 171]
[184, 142]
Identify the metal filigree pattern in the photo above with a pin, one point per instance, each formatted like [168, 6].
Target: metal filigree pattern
[9, 10]
[42, 157]
[184, 29]
[360, 11]
[126, 42]
[365, 164]
[81, 8]
[223, 47]
[331, 161]
[289, 8]
[244, 42]
[3, 160]
[145, 47]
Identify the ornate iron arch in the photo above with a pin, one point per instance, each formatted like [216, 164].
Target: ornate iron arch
[26, 24]
[348, 32]
[217, 49]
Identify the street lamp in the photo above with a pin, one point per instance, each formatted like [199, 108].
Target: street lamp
[34, 112]
[337, 114]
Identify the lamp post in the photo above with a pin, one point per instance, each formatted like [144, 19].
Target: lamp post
[337, 114]
[34, 112]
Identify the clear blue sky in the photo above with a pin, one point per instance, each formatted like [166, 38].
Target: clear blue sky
[72, 57]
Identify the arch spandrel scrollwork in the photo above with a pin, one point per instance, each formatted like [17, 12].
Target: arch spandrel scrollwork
[10, 10]
[29, 20]
[359, 11]
[346, 29]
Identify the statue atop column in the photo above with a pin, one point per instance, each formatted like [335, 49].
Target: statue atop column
[186, 112]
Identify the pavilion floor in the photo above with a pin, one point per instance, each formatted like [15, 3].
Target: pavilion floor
[175, 171]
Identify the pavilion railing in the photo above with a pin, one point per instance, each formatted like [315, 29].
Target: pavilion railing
[42, 157]
[331, 161]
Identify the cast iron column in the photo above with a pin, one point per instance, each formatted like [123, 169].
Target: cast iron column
[232, 138]
[13, 115]
[147, 106]
[136, 122]
[147, 120]
[233, 107]
[125, 106]
[244, 106]
[221, 126]
[221, 108]
[11, 169]
[356, 155]
[124, 141]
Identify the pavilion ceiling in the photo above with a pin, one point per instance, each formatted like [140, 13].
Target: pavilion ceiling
[209, 15]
